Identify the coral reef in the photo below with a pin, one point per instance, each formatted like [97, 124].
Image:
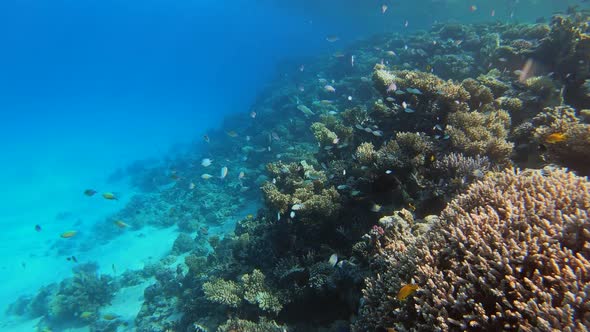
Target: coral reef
[499, 258]
[574, 150]
[251, 288]
[394, 178]
[477, 133]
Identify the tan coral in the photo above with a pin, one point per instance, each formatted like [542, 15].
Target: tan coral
[479, 133]
[223, 292]
[512, 253]
[365, 153]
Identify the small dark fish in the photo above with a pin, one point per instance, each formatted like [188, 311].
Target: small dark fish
[114, 269]
[74, 259]
[24, 265]
[90, 192]
[37, 228]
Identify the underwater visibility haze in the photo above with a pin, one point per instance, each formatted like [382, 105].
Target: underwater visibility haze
[293, 165]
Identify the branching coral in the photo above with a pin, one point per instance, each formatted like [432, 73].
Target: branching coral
[479, 133]
[223, 292]
[512, 253]
[459, 170]
[408, 150]
[252, 288]
[300, 184]
[234, 324]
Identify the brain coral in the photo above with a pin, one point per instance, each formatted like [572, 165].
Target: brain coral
[512, 253]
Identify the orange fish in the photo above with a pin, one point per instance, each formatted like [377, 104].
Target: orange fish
[68, 234]
[555, 138]
[121, 224]
[406, 291]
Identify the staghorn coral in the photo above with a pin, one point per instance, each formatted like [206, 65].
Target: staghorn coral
[242, 325]
[256, 292]
[408, 150]
[512, 253]
[574, 151]
[251, 288]
[365, 153]
[300, 183]
[459, 170]
[223, 292]
[479, 133]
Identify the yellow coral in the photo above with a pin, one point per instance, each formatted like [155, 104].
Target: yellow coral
[477, 133]
[365, 153]
[223, 292]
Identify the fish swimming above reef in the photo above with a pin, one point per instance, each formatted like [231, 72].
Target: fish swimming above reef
[72, 259]
[223, 172]
[329, 88]
[37, 228]
[206, 176]
[376, 207]
[110, 196]
[109, 317]
[90, 192]
[306, 110]
[86, 314]
[555, 138]
[68, 234]
[206, 162]
[121, 224]
[406, 291]
[333, 260]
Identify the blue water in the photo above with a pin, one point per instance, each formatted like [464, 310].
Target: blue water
[87, 87]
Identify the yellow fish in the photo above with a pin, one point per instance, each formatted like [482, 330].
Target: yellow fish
[555, 138]
[250, 216]
[121, 224]
[68, 234]
[86, 314]
[376, 207]
[110, 196]
[406, 291]
[412, 207]
[109, 317]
